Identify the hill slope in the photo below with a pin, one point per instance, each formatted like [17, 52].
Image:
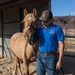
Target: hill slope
[65, 21]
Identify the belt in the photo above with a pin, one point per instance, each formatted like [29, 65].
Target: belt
[49, 53]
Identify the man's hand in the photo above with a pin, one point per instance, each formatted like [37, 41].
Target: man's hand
[58, 65]
[26, 29]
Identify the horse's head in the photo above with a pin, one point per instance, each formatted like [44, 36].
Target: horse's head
[30, 25]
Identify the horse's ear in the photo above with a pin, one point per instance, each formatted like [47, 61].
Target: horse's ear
[34, 12]
[25, 12]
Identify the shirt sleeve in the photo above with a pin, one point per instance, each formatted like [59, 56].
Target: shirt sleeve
[60, 34]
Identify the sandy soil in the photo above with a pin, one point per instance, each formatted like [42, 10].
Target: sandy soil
[6, 66]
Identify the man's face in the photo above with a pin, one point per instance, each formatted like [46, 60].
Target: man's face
[47, 23]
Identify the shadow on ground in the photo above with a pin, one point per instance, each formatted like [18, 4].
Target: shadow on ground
[69, 65]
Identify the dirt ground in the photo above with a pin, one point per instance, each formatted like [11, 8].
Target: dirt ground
[6, 66]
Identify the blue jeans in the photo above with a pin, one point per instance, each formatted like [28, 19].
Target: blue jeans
[46, 64]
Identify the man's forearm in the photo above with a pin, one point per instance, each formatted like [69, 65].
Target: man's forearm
[61, 50]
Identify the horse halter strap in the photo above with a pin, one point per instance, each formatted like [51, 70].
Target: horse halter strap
[32, 27]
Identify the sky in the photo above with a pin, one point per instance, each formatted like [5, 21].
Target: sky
[63, 7]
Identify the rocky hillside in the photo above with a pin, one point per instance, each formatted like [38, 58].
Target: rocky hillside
[65, 21]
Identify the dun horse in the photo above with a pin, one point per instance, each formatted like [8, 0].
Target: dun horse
[20, 44]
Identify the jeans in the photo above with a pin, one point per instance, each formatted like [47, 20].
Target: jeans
[46, 64]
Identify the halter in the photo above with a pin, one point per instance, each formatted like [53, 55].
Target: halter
[29, 40]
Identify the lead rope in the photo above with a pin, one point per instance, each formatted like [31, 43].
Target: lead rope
[62, 71]
[57, 72]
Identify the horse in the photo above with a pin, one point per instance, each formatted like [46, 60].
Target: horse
[21, 44]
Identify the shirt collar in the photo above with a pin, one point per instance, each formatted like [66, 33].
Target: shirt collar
[49, 26]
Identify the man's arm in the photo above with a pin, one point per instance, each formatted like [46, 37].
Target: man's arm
[61, 53]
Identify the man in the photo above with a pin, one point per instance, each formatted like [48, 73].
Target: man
[51, 37]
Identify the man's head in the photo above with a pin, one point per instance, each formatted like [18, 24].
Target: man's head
[46, 16]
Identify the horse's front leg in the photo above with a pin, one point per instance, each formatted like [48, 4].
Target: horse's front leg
[26, 66]
[15, 66]
[19, 67]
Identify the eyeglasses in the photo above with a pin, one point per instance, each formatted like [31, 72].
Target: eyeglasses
[45, 21]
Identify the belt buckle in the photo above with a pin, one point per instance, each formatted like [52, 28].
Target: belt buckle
[45, 54]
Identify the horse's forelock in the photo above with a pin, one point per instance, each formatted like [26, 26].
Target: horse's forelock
[29, 19]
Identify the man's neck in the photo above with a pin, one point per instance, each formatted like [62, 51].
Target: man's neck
[46, 26]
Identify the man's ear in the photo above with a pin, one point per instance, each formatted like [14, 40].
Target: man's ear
[25, 12]
[34, 12]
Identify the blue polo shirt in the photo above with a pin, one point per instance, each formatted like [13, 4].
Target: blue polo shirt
[49, 37]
